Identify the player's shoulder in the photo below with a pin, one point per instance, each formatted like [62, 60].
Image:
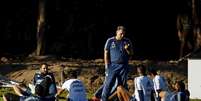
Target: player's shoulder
[111, 38]
[157, 77]
[71, 81]
[148, 79]
[139, 78]
[37, 73]
[126, 39]
[50, 73]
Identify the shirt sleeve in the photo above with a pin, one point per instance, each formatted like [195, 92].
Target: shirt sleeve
[107, 45]
[66, 85]
[52, 76]
[131, 45]
[138, 84]
[157, 83]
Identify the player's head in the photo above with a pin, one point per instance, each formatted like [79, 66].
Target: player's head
[141, 69]
[72, 74]
[152, 72]
[180, 86]
[120, 32]
[44, 68]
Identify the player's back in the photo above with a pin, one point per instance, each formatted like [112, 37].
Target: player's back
[77, 91]
[144, 84]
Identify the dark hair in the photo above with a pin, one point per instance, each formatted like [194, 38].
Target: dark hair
[72, 74]
[142, 69]
[121, 28]
[181, 85]
[152, 71]
[44, 64]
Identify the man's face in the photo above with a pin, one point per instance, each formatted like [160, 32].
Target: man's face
[120, 33]
[44, 69]
[176, 86]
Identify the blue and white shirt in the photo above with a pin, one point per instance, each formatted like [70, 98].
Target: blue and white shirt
[116, 50]
[159, 84]
[76, 90]
[144, 84]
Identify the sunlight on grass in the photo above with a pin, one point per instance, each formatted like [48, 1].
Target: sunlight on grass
[195, 100]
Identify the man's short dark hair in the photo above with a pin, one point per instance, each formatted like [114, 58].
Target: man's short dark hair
[181, 85]
[71, 74]
[121, 28]
[142, 69]
[152, 71]
[44, 64]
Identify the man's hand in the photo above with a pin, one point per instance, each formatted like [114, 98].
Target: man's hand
[126, 46]
[128, 49]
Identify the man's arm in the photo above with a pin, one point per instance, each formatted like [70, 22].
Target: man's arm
[106, 57]
[128, 49]
[106, 53]
[59, 91]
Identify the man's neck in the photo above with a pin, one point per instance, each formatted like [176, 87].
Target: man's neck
[118, 38]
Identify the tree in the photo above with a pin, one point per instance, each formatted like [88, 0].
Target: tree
[40, 28]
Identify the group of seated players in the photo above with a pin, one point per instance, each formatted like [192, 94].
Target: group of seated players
[151, 87]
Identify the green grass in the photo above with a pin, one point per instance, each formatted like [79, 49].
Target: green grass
[62, 96]
[195, 100]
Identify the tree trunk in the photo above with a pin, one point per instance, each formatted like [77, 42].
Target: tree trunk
[40, 28]
[196, 24]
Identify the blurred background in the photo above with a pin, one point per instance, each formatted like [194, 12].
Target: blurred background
[80, 28]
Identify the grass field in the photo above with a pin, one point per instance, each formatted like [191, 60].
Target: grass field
[91, 73]
[62, 96]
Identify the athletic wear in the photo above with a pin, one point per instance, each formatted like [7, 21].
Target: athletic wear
[76, 90]
[143, 88]
[116, 49]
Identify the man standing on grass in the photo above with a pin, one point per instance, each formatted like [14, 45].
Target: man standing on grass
[117, 52]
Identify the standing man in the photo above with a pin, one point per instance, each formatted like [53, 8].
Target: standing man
[117, 52]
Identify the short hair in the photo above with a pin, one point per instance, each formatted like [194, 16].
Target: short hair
[72, 74]
[152, 71]
[142, 69]
[121, 28]
[181, 85]
[44, 64]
